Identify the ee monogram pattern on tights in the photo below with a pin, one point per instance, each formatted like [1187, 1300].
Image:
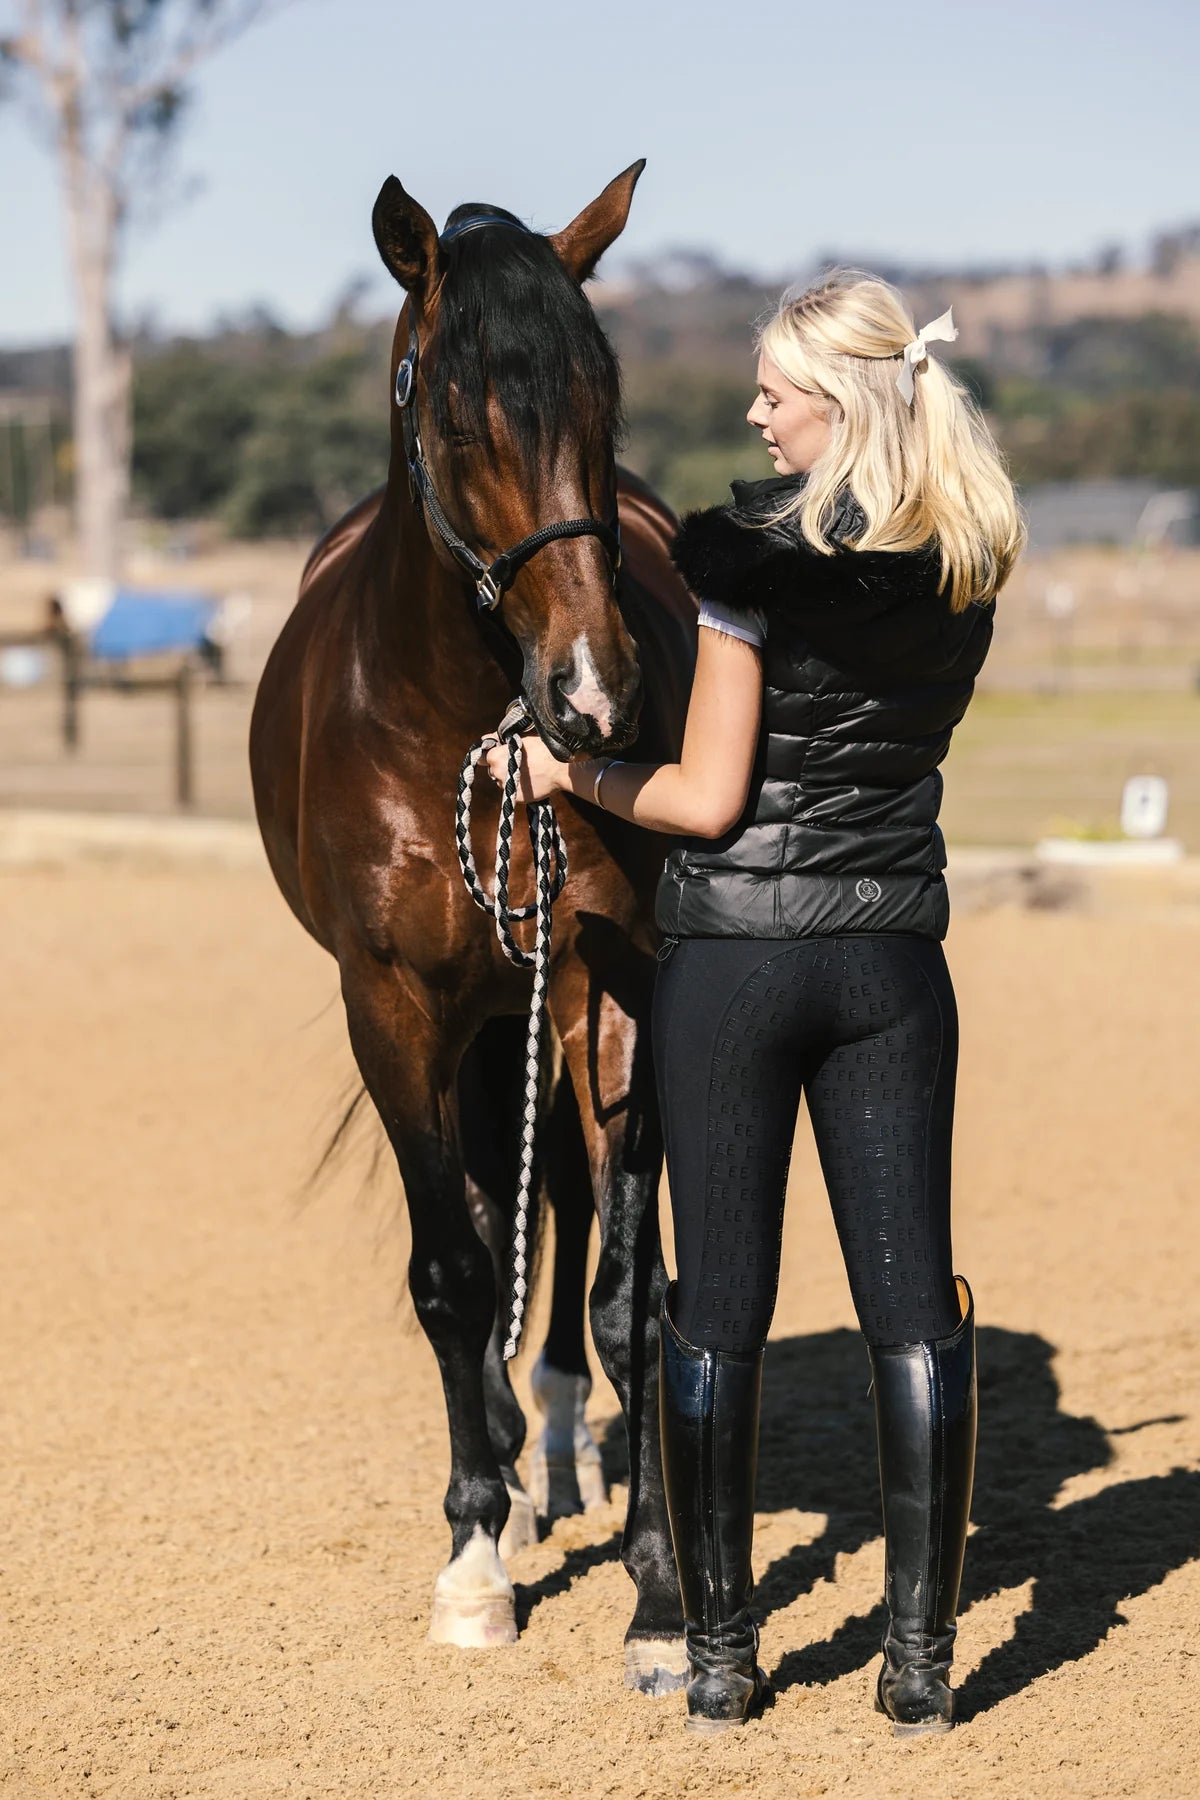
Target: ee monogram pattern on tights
[866, 1026]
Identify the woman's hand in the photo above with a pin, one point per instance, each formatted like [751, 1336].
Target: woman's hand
[541, 773]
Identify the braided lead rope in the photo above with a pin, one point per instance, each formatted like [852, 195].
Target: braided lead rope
[550, 867]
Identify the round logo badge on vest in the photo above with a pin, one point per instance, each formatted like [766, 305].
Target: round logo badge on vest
[869, 890]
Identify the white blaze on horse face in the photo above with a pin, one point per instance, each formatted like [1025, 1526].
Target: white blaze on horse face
[588, 696]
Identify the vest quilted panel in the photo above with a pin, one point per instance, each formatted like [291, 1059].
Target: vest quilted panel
[864, 678]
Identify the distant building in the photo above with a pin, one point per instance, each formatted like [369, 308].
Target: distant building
[994, 309]
[1110, 512]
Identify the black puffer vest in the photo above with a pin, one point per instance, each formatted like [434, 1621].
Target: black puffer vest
[866, 672]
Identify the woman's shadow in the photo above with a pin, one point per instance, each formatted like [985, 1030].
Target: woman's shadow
[818, 1455]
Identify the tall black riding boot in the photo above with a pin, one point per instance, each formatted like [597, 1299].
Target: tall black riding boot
[925, 1409]
[709, 1408]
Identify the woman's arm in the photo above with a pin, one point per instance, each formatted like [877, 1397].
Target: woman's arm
[704, 793]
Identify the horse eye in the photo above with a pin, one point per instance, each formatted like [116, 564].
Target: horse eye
[461, 440]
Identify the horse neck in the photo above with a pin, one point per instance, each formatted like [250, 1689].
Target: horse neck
[420, 628]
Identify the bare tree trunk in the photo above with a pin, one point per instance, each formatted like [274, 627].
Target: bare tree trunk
[100, 398]
[111, 81]
[101, 409]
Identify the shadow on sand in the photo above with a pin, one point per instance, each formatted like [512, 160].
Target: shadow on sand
[818, 1455]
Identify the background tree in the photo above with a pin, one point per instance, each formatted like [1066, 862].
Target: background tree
[107, 83]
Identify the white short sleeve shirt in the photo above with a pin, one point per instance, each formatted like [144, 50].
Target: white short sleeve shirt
[746, 623]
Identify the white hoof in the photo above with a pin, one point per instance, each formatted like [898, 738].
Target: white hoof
[521, 1529]
[656, 1666]
[565, 1475]
[473, 1602]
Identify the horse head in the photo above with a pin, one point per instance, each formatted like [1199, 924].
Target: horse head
[505, 408]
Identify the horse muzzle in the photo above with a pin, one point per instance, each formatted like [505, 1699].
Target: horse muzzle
[584, 719]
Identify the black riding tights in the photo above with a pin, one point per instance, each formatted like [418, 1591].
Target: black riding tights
[867, 1028]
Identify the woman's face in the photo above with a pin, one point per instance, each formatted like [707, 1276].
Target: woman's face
[795, 425]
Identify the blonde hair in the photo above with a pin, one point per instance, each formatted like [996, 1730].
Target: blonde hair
[929, 473]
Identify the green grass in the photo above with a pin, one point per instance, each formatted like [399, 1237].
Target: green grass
[1025, 766]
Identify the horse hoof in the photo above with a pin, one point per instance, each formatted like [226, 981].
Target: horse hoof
[473, 1602]
[521, 1530]
[656, 1666]
[482, 1624]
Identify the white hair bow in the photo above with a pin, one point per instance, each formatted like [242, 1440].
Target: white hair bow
[916, 352]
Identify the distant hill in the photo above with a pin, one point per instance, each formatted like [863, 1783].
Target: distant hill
[993, 317]
[995, 310]
[1085, 373]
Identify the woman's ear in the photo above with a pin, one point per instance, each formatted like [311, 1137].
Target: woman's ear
[582, 243]
[407, 240]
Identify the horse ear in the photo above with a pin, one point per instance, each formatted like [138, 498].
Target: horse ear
[406, 238]
[582, 243]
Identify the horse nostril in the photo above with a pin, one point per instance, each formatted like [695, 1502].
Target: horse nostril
[557, 687]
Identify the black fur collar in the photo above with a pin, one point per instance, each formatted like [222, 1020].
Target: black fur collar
[725, 554]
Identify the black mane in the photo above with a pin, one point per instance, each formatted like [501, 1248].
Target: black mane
[511, 320]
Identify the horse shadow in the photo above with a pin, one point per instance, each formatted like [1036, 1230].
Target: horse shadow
[817, 1455]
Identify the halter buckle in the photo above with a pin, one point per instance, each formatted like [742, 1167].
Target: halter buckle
[487, 592]
[405, 381]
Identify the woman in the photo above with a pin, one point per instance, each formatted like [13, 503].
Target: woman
[847, 606]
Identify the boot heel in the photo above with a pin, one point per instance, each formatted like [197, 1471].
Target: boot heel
[925, 1415]
[704, 1724]
[708, 1412]
[699, 1726]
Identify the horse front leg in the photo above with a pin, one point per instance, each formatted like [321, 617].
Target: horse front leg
[491, 1084]
[409, 1073]
[506, 1421]
[600, 999]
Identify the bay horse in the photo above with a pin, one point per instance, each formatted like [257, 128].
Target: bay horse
[396, 659]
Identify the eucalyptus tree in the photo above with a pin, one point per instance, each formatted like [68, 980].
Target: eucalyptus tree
[106, 84]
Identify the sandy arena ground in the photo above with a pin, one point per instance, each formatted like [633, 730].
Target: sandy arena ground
[224, 1445]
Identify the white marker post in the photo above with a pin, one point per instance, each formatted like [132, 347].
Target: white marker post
[1144, 803]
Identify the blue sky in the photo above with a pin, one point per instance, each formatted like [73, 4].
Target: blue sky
[930, 132]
